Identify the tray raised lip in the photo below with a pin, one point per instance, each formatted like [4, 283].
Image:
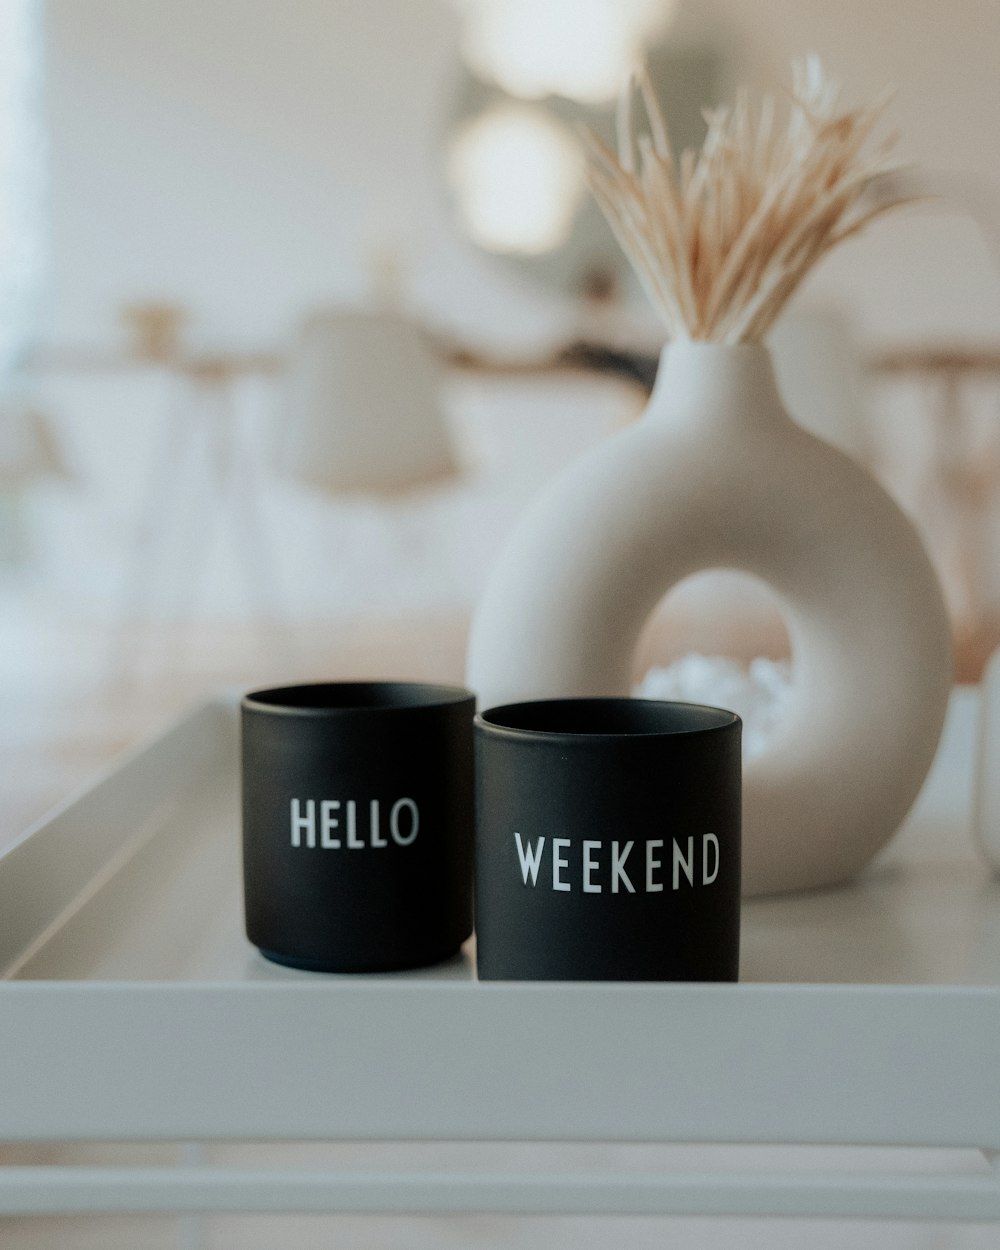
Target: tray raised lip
[226, 699]
[45, 868]
[508, 1062]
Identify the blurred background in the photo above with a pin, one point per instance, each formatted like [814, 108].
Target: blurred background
[302, 300]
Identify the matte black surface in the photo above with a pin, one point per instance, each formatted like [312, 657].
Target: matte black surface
[363, 908]
[608, 771]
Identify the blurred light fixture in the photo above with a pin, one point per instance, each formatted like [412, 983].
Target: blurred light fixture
[518, 179]
[581, 49]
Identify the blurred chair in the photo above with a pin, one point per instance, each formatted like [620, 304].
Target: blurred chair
[360, 413]
[958, 393]
[364, 410]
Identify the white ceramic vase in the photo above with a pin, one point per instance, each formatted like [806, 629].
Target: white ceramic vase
[717, 475]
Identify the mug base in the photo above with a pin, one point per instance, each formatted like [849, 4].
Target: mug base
[356, 968]
[665, 978]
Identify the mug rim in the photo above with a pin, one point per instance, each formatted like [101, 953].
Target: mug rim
[375, 695]
[725, 719]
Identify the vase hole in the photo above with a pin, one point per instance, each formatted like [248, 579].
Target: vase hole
[719, 637]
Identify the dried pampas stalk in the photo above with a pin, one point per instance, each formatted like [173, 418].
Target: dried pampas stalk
[722, 241]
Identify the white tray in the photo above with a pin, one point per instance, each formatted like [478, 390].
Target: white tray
[132, 1007]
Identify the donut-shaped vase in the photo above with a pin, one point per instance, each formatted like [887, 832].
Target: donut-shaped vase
[716, 474]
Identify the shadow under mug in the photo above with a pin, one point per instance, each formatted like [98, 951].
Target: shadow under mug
[358, 824]
[608, 841]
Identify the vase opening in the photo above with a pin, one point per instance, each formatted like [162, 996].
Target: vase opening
[720, 637]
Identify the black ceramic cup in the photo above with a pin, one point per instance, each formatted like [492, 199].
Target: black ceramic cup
[608, 841]
[358, 824]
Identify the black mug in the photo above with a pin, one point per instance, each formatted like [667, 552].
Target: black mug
[608, 841]
[358, 824]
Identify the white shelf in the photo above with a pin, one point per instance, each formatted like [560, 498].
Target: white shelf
[133, 1008]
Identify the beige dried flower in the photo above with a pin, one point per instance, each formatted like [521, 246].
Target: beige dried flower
[723, 239]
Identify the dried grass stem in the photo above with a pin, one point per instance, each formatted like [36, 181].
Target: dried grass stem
[723, 238]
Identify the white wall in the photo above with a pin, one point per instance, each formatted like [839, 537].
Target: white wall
[244, 156]
[926, 273]
[239, 156]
